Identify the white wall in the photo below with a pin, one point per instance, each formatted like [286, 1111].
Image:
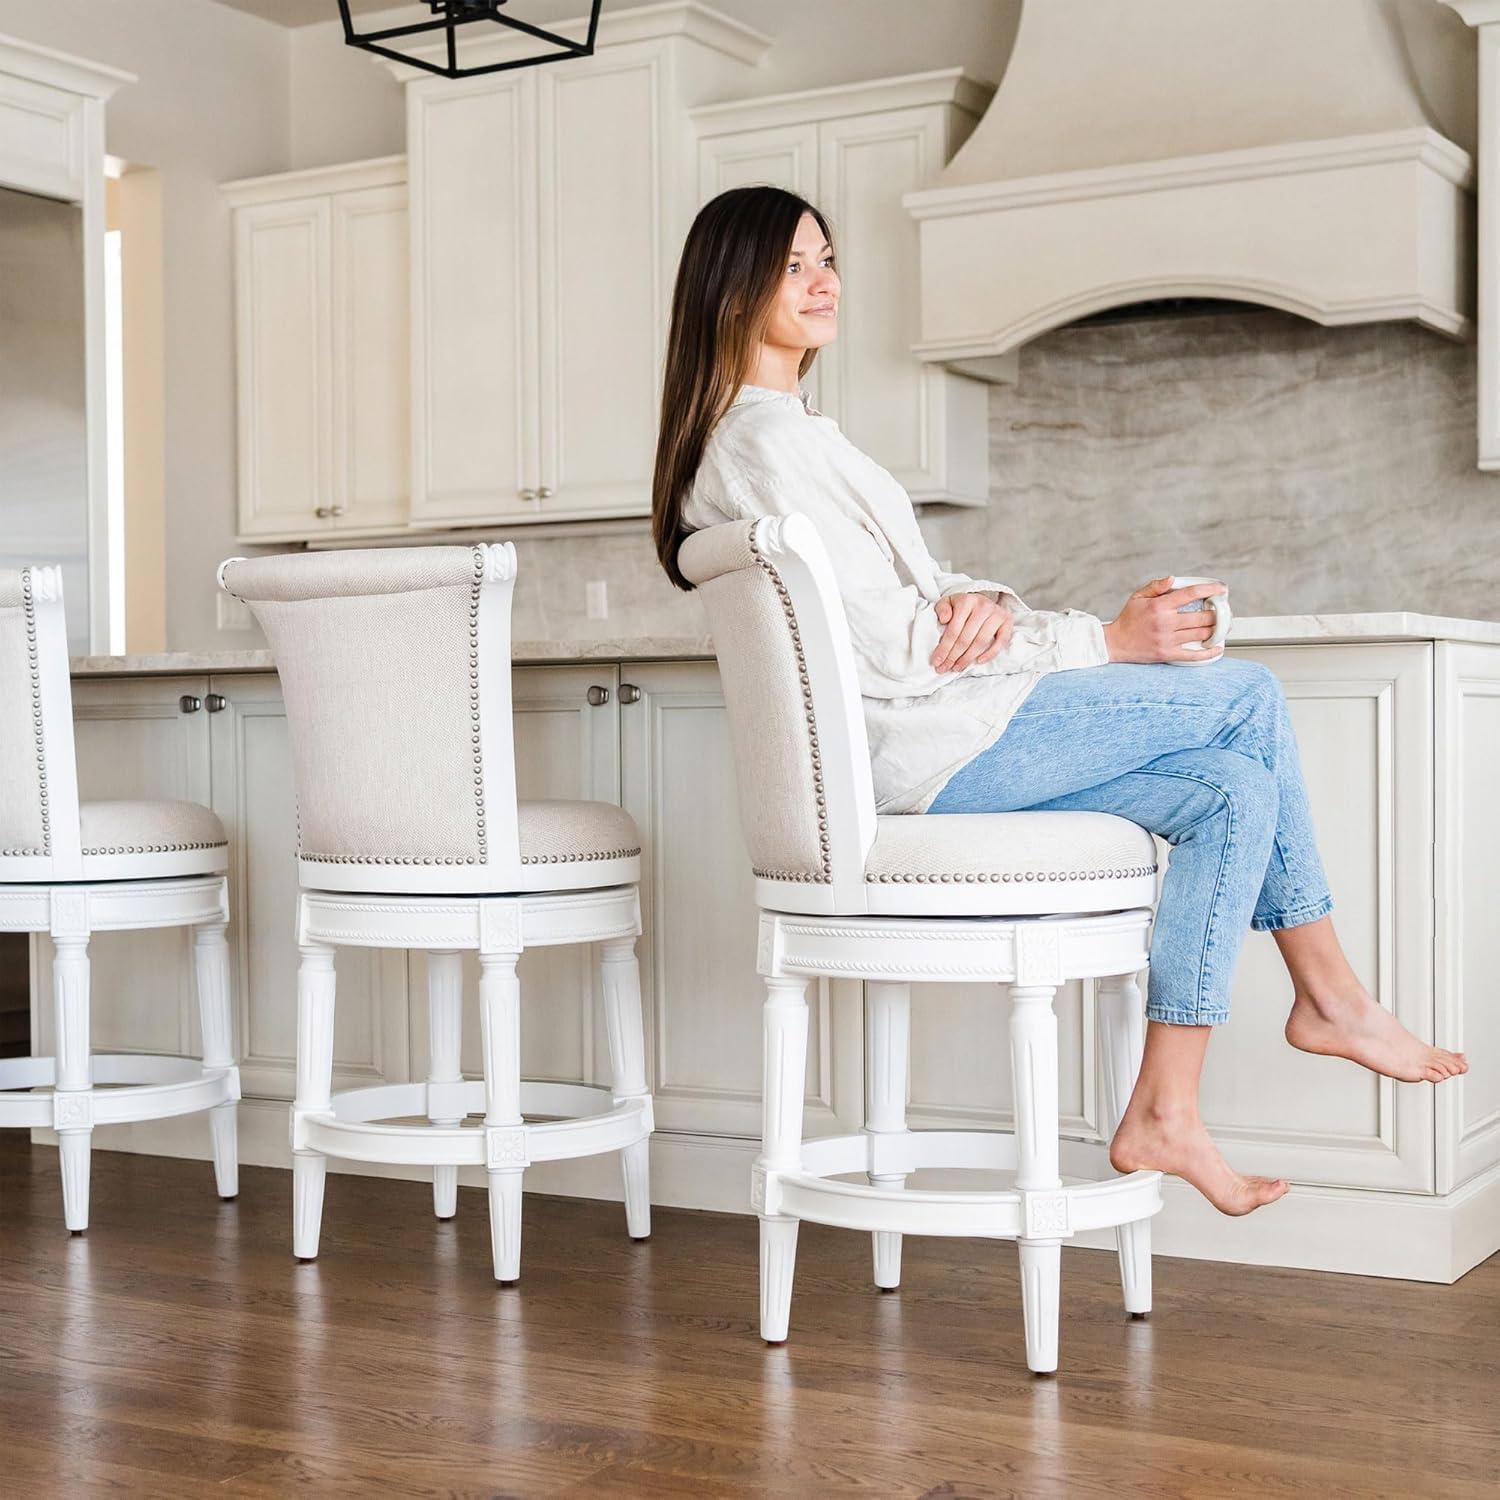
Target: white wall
[212, 102]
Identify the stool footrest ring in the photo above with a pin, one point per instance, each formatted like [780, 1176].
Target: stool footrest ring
[140, 1087]
[810, 1192]
[587, 1120]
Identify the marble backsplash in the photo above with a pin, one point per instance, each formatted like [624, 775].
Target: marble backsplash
[1314, 469]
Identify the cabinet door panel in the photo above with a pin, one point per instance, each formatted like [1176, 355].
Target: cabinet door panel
[1468, 738]
[372, 357]
[603, 217]
[134, 742]
[255, 796]
[283, 286]
[473, 247]
[1363, 718]
[888, 402]
[698, 906]
[565, 747]
[960, 1059]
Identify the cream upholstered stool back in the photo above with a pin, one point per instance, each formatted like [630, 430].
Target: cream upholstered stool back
[395, 666]
[69, 868]
[1028, 900]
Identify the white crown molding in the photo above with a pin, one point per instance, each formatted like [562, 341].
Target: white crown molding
[1419, 144]
[938, 86]
[643, 23]
[74, 75]
[380, 171]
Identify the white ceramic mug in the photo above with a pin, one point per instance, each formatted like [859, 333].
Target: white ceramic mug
[1219, 603]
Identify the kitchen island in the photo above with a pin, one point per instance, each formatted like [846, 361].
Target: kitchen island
[1398, 719]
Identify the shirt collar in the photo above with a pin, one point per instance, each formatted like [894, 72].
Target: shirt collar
[749, 393]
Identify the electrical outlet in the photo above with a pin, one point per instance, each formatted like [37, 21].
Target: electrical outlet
[232, 613]
[596, 592]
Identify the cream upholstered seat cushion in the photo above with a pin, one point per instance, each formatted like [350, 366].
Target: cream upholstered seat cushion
[1015, 848]
[125, 839]
[557, 832]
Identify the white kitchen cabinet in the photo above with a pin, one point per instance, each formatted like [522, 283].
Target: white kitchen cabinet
[852, 151]
[322, 344]
[548, 209]
[698, 974]
[1398, 740]
[143, 737]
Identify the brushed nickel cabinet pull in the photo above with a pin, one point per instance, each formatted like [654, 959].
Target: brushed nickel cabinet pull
[598, 695]
[189, 704]
[216, 703]
[629, 693]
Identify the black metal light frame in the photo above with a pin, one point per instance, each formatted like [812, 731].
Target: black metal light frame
[448, 17]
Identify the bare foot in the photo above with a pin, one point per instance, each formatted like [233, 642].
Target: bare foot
[1366, 1033]
[1180, 1144]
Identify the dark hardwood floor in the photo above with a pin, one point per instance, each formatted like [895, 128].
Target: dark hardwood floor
[177, 1349]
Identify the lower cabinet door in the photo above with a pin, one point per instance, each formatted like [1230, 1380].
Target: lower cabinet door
[1363, 721]
[255, 797]
[135, 738]
[702, 993]
[566, 746]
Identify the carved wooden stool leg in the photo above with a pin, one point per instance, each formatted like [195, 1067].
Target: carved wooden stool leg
[1033, 1061]
[785, 1066]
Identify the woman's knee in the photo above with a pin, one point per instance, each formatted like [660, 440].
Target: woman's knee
[1223, 784]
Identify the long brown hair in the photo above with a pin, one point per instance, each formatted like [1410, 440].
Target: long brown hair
[731, 268]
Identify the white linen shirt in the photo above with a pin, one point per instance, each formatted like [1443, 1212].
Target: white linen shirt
[773, 452]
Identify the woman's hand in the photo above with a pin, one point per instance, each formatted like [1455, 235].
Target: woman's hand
[1149, 628]
[975, 629]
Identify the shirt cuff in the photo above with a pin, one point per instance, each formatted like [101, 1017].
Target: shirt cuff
[997, 593]
[1080, 640]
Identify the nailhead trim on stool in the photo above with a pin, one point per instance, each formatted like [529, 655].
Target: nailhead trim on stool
[824, 875]
[33, 666]
[160, 848]
[910, 877]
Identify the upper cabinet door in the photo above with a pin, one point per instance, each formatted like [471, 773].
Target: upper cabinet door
[923, 423]
[472, 154]
[283, 282]
[604, 216]
[371, 358]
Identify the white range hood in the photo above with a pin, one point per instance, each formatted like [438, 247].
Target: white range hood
[1270, 151]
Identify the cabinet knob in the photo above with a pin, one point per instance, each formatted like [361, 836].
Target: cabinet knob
[322, 512]
[527, 494]
[598, 696]
[629, 693]
[189, 704]
[545, 493]
[336, 510]
[216, 703]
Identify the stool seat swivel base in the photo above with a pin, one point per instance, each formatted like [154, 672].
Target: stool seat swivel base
[581, 1119]
[795, 1179]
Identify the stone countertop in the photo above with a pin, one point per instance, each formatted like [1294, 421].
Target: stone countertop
[1252, 630]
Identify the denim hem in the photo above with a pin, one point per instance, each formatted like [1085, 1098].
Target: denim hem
[1185, 1017]
[1297, 917]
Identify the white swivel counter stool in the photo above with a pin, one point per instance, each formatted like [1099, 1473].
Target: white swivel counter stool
[395, 668]
[71, 869]
[1027, 900]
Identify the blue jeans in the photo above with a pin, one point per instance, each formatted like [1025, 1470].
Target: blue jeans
[1202, 756]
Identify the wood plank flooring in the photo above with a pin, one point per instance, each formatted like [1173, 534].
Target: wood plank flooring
[178, 1350]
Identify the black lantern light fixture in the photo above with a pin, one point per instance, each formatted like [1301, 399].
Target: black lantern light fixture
[459, 22]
